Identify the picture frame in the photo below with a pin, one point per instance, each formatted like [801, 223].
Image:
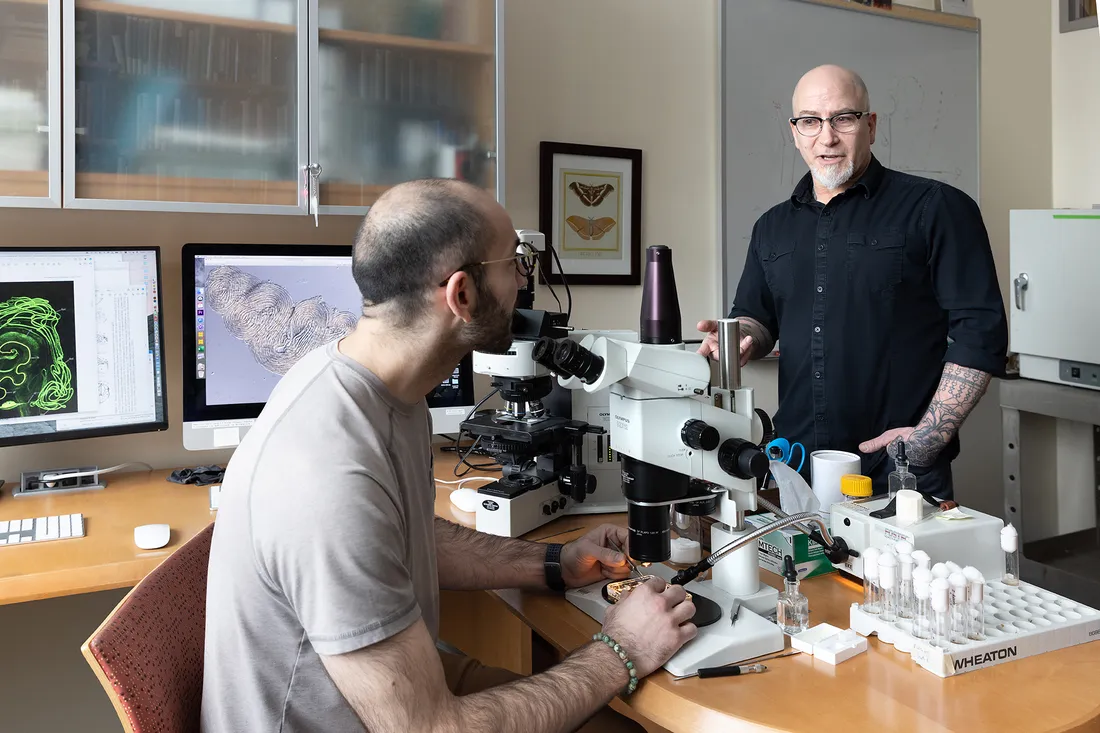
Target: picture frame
[590, 209]
[956, 7]
[1076, 15]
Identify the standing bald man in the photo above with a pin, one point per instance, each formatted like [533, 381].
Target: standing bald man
[881, 286]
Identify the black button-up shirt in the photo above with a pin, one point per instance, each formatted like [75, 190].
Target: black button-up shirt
[869, 295]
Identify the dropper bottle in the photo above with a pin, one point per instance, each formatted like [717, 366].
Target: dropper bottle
[793, 608]
[900, 478]
[1010, 543]
[871, 600]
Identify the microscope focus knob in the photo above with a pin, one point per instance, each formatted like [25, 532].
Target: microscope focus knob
[742, 459]
[697, 435]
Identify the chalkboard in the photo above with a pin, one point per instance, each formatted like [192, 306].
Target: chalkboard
[923, 83]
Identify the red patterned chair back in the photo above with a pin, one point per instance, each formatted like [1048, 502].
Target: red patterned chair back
[148, 653]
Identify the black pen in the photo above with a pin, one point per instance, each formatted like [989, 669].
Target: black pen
[731, 671]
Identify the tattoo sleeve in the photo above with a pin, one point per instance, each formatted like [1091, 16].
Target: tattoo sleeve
[959, 391]
[469, 560]
[762, 341]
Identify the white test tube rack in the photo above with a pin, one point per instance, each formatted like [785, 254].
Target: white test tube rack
[1020, 621]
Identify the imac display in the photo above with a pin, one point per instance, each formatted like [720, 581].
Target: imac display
[250, 313]
[81, 343]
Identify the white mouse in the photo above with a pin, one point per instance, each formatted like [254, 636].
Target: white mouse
[152, 536]
[465, 499]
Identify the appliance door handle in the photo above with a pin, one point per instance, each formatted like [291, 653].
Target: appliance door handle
[1021, 285]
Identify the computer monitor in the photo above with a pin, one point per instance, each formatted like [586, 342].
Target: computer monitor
[81, 343]
[250, 312]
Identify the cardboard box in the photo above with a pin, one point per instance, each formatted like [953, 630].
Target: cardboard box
[809, 557]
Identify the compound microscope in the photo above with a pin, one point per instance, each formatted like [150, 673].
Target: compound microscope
[697, 448]
[551, 443]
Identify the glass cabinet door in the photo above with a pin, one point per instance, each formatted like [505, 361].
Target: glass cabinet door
[184, 105]
[30, 132]
[403, 89]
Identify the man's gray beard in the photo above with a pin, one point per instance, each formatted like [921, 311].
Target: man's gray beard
[835, 176]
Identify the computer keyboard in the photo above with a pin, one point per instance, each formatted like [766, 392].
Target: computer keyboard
[41, 529]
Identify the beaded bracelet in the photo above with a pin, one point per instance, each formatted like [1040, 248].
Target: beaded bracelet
[615, 647]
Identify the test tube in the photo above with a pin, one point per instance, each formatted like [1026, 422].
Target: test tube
[922, 560]
[960, 612]
[975, 602]
[942, 628]
[922, 608]
[888, 579]
[939, 570]
[1010, 543]
[905, 586]
[871, 602]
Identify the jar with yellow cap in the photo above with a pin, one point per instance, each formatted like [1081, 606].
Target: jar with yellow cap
[855, 486]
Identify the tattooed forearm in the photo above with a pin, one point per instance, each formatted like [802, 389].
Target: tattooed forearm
[959, 391]
[469, 560]
[762, 341]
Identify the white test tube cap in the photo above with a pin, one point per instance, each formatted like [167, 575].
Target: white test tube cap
[904, 548]
[939, 570]
[887, 570]
[905, 565]
[870, 563]
[1010, 541]
[921, 558]
[953, 568]
[977, 589]
[939, 595]
[922, 582]
[958, 586]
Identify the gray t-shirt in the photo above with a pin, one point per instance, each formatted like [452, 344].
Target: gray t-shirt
[323, 544]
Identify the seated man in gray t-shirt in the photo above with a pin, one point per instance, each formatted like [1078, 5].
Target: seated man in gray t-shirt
[327, 559]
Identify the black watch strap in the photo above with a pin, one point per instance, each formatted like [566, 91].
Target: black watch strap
[552, 567]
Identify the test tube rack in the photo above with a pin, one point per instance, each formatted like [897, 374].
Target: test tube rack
[1020, 621]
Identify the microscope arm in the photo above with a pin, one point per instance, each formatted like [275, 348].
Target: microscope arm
[835, 546]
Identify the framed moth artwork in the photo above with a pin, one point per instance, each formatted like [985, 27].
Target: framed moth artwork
[590, 209]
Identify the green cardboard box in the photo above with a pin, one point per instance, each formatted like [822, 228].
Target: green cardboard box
[809, 557]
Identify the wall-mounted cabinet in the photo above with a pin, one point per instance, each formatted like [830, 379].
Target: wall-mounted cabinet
[250, 106]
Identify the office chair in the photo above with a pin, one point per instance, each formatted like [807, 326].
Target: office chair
[148, 652]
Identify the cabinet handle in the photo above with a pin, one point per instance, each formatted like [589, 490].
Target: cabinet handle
[1021, 285]
[313, 170]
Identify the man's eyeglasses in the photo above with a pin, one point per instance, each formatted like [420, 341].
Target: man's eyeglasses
[526, 259]
[812, 126]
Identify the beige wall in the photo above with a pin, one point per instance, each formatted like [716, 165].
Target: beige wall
[1075, 91]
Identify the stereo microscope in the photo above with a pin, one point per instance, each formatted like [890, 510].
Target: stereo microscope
[690, 446]
[550, 442]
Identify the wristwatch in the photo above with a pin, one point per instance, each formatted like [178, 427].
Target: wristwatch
[552, 567]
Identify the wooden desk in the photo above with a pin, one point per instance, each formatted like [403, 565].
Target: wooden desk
[878, 690]
[106, 557]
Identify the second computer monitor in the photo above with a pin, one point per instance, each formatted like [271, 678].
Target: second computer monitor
[250, 312]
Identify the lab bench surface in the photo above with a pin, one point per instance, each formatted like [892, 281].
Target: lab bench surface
[881, 689]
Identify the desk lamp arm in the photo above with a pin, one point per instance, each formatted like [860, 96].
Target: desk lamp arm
[834, 547]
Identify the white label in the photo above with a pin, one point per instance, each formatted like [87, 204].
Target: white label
[224, 437]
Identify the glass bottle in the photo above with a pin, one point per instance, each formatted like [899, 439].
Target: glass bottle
[792, 608]
[900, 478]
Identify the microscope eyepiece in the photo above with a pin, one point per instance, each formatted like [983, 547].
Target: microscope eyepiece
[543, 353]
[573, 360]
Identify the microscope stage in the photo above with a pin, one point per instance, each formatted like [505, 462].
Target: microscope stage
[716, 644]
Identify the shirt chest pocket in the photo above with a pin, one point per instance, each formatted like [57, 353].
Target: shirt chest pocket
[778, 266]
[875, 262]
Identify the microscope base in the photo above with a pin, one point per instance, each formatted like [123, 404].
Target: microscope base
[715, 645]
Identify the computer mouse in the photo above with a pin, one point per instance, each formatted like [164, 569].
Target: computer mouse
[152, 536]
[465, 499]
